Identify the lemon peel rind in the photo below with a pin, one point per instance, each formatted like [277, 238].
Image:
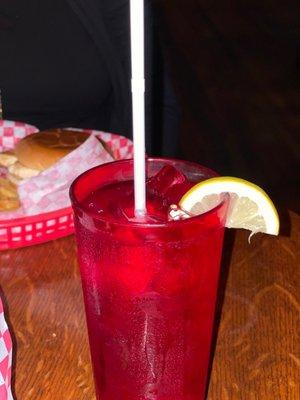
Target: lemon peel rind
[241, 187]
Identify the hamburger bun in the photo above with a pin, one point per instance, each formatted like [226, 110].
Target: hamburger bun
[41, 150]
[32, 155]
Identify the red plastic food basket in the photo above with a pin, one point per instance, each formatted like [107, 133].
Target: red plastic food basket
[31, 230]
[35, 229]
[27, 231]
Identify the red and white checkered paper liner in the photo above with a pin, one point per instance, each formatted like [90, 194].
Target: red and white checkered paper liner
[49, 191]
[5, 358]
[11, 132]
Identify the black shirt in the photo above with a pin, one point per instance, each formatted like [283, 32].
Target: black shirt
[51, 73]
[67, 63]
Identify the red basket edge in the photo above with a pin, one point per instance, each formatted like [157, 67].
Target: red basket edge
[35, 218]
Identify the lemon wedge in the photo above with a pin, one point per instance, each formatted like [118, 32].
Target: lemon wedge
[249, 206]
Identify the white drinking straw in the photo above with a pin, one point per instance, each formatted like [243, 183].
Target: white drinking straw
[138, 103]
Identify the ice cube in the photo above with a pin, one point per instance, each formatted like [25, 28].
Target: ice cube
[169, 184]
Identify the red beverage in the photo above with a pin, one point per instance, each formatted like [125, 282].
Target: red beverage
[149, 286]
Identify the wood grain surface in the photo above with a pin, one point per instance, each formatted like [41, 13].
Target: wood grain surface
[258, 349]
[257, 352]
[42, 292]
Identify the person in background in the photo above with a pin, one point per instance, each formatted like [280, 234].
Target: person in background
[66, 63]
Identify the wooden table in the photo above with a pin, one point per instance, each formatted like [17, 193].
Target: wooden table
[258, 347]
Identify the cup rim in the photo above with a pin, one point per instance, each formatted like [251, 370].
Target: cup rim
[138, 224]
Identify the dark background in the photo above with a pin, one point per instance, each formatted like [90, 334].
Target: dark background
[235, 68]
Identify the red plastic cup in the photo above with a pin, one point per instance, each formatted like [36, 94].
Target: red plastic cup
[149, 290]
